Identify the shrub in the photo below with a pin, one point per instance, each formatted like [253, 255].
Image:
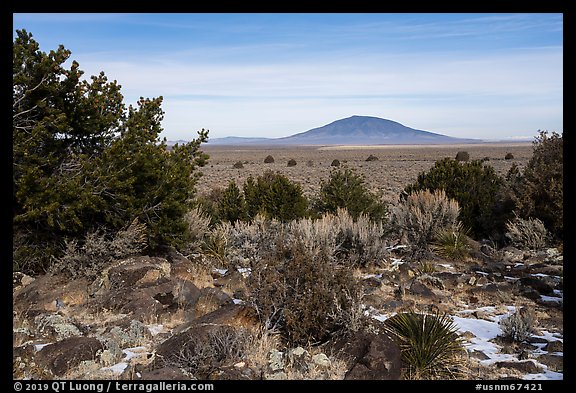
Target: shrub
[269, 159]
[291, 162]
[198, 227]
[452, 242]
[216, 244]
[422, 214]
[90, 257]
[462, 156]
[478, 190]
[372, 158]
[335, 162]
[231, 206]
[84, 161]
[346, 189]
[238, 165]
[425, 268]
[202, 354]
[275, 196]
[509, 156]
[356, 243]
[539, 190]
[429, 342]
[305, 296]
[208, 204]
[519, 326]
[527, 234]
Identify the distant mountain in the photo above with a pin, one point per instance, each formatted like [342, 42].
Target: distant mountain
[354, 130]
[367, 130]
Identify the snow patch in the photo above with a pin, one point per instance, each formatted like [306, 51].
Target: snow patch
[156, 329]
[118, 368]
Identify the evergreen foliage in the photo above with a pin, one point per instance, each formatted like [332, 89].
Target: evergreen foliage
[478, 190]
[83, 162]
[539, 191]
[346, 189]
[231, 206]
[275, 196]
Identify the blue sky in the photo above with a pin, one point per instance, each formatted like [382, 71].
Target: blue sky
[486, 76]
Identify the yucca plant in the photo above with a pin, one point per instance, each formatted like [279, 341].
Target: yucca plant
[216, 244]
[425, 267]
[429, 343]
[452, 242]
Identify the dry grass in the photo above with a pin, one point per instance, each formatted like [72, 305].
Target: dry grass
[396, 167]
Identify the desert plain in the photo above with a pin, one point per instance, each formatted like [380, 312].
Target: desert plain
[396, 167]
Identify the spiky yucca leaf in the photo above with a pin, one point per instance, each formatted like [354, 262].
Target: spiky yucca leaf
[452, 242]
[429, 343]
[425, 267]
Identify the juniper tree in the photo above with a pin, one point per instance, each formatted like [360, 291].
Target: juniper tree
[83, 161]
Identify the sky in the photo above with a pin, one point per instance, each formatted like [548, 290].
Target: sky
[485, 76]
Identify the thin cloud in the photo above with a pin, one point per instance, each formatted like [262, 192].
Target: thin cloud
[271, 74]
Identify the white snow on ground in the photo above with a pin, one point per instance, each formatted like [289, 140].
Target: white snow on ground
[222, 272]
[551, 299]
[157, 329]
[38, 347]
[396, 261]
[118, 368]
[237, 301]
[245, 271]
[373, 313]
[446, 265]
[129, 353]
[485, 330]
[392, 248]
[367, 276]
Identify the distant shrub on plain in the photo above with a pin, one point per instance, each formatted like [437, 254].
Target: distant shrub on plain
[291, 162]
[269, 159]
[335, 162]
[509, 156]
[238, 165]
[372, 158]
[462, 156]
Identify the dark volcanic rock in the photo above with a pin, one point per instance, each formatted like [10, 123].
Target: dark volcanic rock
[65, 355]
[138, 270]
[540, 284]
[525, 366]
[373, 356]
